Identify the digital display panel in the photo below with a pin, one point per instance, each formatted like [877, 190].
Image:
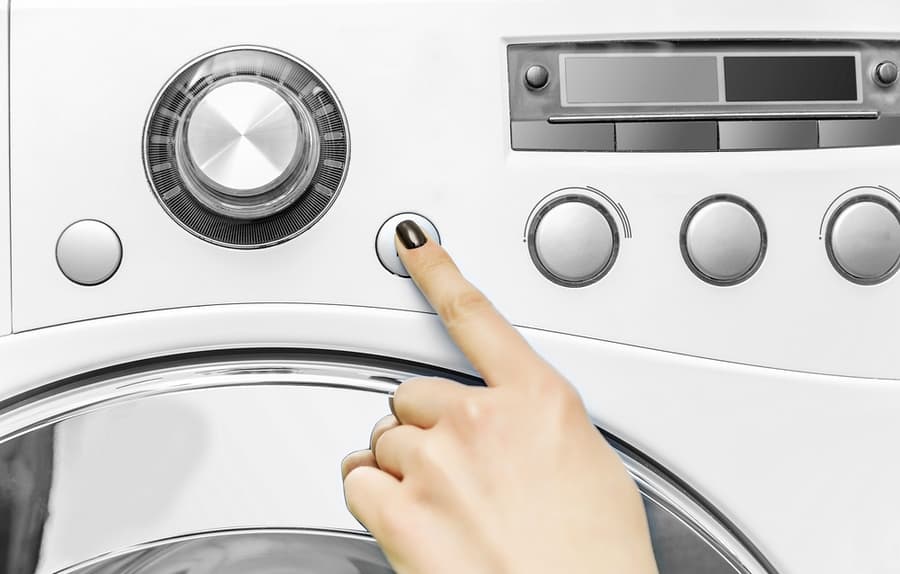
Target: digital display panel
[790, 78]
[600, 79]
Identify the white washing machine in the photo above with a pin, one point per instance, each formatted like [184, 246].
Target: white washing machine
[690, 209]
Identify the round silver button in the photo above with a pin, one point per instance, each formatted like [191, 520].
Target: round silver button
[723, 240]
[384, 240]
[863, 240]
[573, 241]
[243, 137]
[886, 73]
[537, 77]
[88, 252]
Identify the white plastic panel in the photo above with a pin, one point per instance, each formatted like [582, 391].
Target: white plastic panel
[5, 269]
[86, 73]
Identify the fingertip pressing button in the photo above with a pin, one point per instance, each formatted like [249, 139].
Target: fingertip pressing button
[88, 252]
[384, 241]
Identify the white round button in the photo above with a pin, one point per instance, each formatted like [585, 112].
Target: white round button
[88, 252]
[573, 241]
[384, 241]
[863, 240]
[243, 136]
[723, 240]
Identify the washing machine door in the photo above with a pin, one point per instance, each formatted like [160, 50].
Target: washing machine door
[231, 464]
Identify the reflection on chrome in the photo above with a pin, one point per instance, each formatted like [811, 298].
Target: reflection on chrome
[231, 465]
[256, 552]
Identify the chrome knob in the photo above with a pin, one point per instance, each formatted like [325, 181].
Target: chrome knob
[863, 239]
[246, 147]
[247, 151]
[243, 137]
[723, 240]
[573, 240]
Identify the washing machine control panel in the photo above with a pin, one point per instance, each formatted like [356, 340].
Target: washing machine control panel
[216, 169]
[677, 95]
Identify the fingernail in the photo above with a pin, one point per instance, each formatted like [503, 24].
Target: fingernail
[391, 405]
[410, 234]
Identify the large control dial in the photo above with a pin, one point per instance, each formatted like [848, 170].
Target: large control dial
[723, 240]
[863, 239]
[573, 240]
[246, 147]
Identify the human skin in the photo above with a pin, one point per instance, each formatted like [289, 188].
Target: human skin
[511, 478]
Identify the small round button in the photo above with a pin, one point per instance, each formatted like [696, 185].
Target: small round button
[863, 239]
[573, 241]
[886, 73]
[537, 77]
[384, 241]
[88, 252]
[723, 240]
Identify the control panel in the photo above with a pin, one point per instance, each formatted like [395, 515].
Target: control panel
[710, 95]
[222, 173]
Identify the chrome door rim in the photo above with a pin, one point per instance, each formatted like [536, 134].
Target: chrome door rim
[136, 552]
[325, 370]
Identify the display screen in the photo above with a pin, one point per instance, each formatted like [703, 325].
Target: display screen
[790, 78]
[597, 79]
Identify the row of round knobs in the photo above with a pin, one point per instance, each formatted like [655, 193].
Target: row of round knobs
[574, 240]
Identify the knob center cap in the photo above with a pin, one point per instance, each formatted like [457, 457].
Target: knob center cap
[243, 137]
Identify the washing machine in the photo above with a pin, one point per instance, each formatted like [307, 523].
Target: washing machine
[691, 209]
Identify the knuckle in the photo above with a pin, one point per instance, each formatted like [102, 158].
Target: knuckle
[462, 305]
[392, 523]
[553, 389]
[473, 413]
[352, 486]
[412, 385]
[424, 455]
[553, 394]
[381, 427]
[382, 444]
[565, 402]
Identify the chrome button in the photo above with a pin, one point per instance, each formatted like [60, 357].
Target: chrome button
[88, 252]
[723, 240]
[886, 73]
[537, 77]
[384, 241]
[863, 240]
[573, 241]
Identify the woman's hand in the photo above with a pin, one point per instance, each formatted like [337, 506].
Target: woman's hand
[511, 478]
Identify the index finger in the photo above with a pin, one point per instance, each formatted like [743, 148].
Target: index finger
[491, 344]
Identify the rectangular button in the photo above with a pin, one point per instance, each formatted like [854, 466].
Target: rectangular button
[667, 136]
[761, 135]
[542, 136]
[855, 133]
